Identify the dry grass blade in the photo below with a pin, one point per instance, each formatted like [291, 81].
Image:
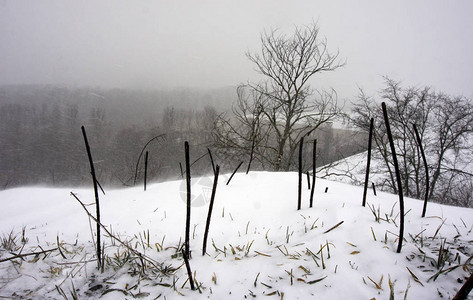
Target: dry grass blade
[377, 285]
[316, 280]
[372, 232]
[285, 253]
[446, 271]
[27, 254]
[263, 254]
[256, 279]
[416, 279]
[334, 227]
[438, 229]
[391, 288]
[304, 269]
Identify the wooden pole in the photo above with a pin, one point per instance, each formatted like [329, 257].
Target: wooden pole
[299, 189]
[426, 167]
[251, 155]
[146, 169]
[398, 178]
[308, 180]
[97, 203]
[314, 148]
[211, 160]
[367, 176]
[465, 289]
[141, 153]
[229, 179]
[211, 205]
[374, 188]
[253, 144]
[188, 214]
[188, 268]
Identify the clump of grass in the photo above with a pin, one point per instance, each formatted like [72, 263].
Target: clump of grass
[443, 254]
[248, 247]
[13, 241]
[375, 212]
[118, 259]
[440, 256]
[72, 292]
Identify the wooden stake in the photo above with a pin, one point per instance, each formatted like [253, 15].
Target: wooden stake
[426, 167]
[374, 188]
[188, 268]
[146, 169]
[299, 189]
[211, 159]
[251, 155]
[465, 289]
[97, 203]
[308, 180]
[314, 148]
[398, 178]
[229, 179]
[141, 153]
[367, 176]
[188, 214]
[211, 205]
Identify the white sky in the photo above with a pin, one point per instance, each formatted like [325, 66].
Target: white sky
[202, 43]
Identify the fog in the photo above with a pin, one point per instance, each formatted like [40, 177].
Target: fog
[169, 44]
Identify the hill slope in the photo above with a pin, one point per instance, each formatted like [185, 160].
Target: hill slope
[259, 244]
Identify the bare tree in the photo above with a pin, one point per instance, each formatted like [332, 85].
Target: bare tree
[444, 123]
[271, 116]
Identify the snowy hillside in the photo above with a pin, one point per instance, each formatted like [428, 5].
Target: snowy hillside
[352, 170]
[259, 244]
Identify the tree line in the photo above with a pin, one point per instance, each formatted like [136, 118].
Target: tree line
[41, 142]
[271, 117]
[262, 124]
[444, 124]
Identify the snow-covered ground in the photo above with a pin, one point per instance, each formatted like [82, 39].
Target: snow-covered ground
[352, 170]
[259, 243]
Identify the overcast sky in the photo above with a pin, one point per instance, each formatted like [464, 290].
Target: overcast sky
[202, 43]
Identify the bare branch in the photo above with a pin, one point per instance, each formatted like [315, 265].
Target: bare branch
[271, 116]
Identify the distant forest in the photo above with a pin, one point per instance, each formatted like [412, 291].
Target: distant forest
[41, 141]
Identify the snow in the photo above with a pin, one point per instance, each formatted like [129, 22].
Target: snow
[261, 237]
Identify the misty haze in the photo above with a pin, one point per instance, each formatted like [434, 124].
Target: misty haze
[140, 97]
